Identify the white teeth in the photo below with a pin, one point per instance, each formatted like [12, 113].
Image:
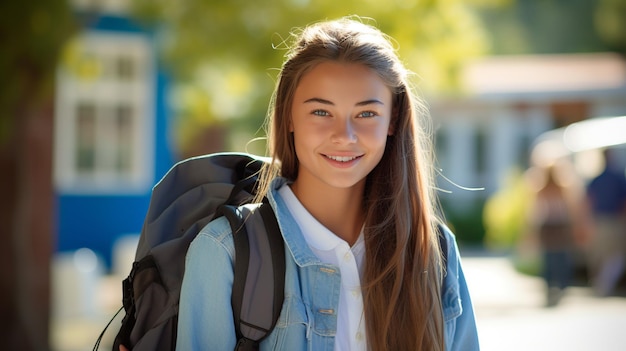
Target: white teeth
[341, 158]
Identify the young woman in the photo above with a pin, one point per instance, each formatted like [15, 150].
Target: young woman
[553, 215]
[351, 186]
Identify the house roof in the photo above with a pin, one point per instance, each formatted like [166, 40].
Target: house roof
[545, 73]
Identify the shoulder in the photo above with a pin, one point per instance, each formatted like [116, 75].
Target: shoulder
[216, 235]
[450, 287]
[447, 242]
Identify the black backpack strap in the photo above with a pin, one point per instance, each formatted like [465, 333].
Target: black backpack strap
[259, 261]
[277, 246]
[97, 344]
[143, 274]
[443, 244]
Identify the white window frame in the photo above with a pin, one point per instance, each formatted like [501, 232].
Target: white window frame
[107, 93]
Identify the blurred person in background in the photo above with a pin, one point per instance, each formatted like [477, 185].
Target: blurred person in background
[607, 199]
[553, 220]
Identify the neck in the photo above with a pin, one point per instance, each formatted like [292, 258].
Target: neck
[338, 209]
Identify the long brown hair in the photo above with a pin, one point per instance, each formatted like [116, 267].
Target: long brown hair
[403, 266]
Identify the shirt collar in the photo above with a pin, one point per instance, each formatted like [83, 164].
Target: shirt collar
[315, 234]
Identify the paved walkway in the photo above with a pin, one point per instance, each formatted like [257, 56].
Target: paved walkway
[510, 313]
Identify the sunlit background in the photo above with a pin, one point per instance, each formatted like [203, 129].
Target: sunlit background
[101, 97]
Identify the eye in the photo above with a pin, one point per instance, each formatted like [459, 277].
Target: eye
[320, 113]
[368, 114]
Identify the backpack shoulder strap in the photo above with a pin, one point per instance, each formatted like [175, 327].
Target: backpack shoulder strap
[259, 272]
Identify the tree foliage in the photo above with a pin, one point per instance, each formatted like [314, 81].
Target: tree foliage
[32, 34]
[556, 26]
[229, 51]
[610, 21]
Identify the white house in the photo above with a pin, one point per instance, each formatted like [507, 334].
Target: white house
[508, 102]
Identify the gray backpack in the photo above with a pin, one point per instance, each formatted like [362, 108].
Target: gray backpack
[189, 196]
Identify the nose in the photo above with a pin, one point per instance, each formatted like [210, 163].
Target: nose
[344, 132]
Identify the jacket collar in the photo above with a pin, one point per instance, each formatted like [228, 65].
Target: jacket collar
[294, 239]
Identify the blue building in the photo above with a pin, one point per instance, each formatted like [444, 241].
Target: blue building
[111, 133]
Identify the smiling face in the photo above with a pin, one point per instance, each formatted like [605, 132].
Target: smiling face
[340, 119]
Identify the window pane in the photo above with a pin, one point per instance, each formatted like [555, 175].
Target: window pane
[124, 128]
[86, 151]
[125, 68]
[480, 151]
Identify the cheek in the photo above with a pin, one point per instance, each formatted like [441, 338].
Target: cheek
[303, 139]
[377, 133]
[307, 132]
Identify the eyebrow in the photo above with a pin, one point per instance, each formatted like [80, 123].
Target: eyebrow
[328, 102]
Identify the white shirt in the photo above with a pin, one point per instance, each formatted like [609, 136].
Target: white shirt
[331, 249]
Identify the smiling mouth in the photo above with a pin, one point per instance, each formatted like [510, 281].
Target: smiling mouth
[343, 158]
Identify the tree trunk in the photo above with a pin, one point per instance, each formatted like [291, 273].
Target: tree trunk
[26, 229]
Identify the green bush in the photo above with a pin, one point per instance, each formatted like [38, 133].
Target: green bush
[467, 225]
[505, 212]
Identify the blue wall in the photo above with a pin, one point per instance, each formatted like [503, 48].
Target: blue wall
[96, 221]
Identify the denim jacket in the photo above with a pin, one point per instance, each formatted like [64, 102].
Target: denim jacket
[308, 319]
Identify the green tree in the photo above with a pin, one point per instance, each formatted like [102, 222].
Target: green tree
[31, 33]
[610, 22]
[228, 51]
[556, 26]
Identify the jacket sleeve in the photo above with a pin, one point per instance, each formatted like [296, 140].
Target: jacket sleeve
[460, 325]
[205, 314]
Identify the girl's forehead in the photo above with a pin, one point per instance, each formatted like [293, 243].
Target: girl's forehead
[326, 66]
[330, 77]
